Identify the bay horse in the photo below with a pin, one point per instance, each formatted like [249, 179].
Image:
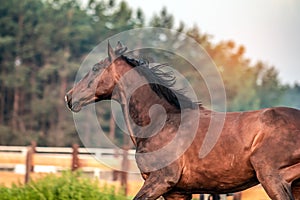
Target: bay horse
[254, 147]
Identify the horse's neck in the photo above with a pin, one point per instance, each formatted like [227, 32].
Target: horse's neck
[143, 102]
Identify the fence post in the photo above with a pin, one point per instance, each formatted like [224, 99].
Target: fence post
[75, 159]
[29, 161]
[124, 174]
[115, 173]
[237, 196]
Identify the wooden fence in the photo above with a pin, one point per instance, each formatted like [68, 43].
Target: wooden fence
[21, 159]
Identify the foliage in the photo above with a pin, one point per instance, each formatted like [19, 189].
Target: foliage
[42, 43]
[291, 96]
[70, 186]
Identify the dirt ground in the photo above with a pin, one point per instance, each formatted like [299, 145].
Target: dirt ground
[255, 193]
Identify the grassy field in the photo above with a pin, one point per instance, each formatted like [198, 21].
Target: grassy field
[8, 178]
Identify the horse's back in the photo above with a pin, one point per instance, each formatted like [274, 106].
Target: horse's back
[279, 133]
[281, 116]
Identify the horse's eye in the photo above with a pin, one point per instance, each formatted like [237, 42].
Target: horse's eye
[96, 68]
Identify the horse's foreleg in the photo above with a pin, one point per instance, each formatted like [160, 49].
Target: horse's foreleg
[158, 183]
[153, 188]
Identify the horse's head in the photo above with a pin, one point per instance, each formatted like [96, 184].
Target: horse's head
[98, 84]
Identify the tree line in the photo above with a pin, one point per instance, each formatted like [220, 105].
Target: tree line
[43, 42]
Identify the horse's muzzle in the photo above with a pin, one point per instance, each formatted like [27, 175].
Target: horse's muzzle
[73, 106]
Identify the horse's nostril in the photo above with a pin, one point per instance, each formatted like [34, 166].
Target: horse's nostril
[68, 101]
[66, 98]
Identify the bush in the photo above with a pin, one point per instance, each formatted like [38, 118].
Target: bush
[69, 186]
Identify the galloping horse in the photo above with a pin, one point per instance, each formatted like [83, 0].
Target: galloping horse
[254, 147]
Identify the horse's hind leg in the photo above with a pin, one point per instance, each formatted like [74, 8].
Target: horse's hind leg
[296, 189]
[292, 175]
[276, 187]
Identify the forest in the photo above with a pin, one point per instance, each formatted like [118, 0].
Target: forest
[43, 42]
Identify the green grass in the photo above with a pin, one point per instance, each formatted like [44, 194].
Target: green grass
[68, 186]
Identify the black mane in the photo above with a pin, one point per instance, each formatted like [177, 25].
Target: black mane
[161, 82]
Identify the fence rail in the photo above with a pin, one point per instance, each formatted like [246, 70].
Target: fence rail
[98, 152]
[27, 159]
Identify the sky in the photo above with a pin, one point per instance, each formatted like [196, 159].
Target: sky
[269, 29]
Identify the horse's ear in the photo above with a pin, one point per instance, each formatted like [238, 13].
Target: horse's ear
[119, 45]
[111, 53]
[120, 49]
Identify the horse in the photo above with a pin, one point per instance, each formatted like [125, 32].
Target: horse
[254, 147]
